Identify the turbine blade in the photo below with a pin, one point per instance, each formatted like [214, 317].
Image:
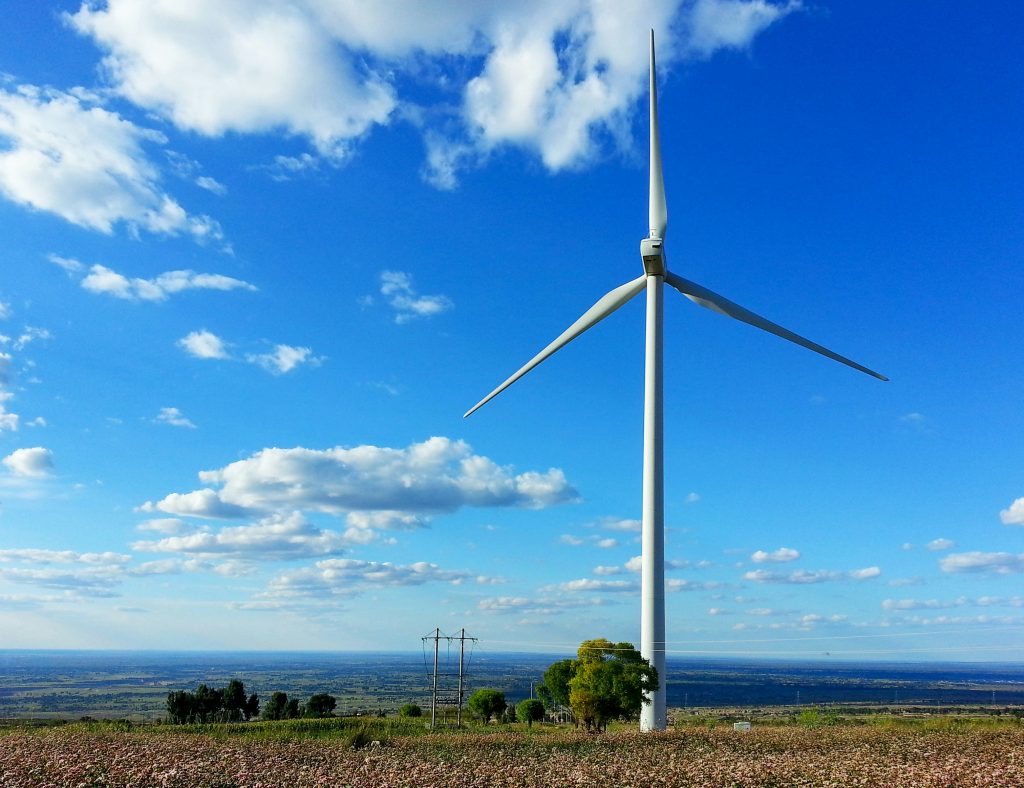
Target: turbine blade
[658, 208]
[713, 301]
[607, 304]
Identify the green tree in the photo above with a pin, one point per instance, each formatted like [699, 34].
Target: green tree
[234, 700]
[277, 707]
[321, 705]
[252, 707]
[291, 710]
[486, 703]
[556, 681]
[180, 707]
[606, 681]
[529, 711]
[410, 710]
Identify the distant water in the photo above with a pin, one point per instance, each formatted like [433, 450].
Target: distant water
[134, 684]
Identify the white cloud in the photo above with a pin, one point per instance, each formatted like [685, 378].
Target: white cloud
[780, 556]
[69, 264]
[29, 335]
[64, 155]
[693, 497]
[211, 185]
[397, 287]
[284, 358]
[174, 417]
[606, 544]
[619, 524]
[103, 280]
[274, 538]
[572, 541]
[374, 488]
[34, 463]
[203, 344]
[543, 606]
[558, 79]
[589, 584]
[805, 577]
[346, 576]
[677, 584]
[282, 69]
[608, 570]
[1014, 513]
[994, 563]
[166, 525]
[732, 24]
[30, 555]
[940, 544]
[5, 310]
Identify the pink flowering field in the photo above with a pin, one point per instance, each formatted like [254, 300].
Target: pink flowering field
[840, 755]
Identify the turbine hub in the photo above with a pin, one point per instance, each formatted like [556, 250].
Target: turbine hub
[652, 250]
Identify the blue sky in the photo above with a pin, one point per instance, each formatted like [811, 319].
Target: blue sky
[259, 258]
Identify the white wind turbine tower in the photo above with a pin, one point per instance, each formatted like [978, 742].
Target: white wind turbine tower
[652, 251]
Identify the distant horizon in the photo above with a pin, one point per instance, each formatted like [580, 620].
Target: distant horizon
[818, 660]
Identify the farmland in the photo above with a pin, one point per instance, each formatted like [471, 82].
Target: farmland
[881, 752]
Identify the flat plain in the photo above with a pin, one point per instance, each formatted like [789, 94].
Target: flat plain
[884, 752]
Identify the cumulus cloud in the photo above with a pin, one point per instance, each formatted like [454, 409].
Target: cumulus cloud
[284, 358]
[374, 488]
[103, 280]
[1014, 513]
[936, 545]
[34, 463]
[805, 577]
[5, 310]
[203, 344]
[347, 576]
[63, 154]
[557, 79]
[396, 287]
[174, 417]
[732, 24]
[978, 562]
[780, 556]
[275, 538]
[282, 71]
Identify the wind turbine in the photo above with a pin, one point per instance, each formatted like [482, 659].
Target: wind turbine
[656, 273]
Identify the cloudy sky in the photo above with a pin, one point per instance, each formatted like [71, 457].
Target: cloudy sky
[259, 257]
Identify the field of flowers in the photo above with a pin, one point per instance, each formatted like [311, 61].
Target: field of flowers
[840, 755]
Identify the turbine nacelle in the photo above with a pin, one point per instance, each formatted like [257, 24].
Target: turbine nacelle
[652, 251]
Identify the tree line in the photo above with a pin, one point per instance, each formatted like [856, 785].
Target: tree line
[231, 704]
[607, 681]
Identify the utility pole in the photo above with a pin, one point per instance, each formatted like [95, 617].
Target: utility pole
[462, 661]
[433, 694]
[448, 699]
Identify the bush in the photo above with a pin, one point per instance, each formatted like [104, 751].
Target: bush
[410, 710]
[529, 711]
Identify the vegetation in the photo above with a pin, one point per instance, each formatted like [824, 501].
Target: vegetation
[212, 705]
[410, 710]
[344, 751]
[530, 711]
[487, 703]
[607, 681]
[320, 705]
